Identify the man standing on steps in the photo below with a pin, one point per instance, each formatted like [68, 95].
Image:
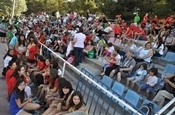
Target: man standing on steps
[78, 42]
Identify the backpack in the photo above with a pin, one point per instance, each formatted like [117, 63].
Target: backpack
[147, 108]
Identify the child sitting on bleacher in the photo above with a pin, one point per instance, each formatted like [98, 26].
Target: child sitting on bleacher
[100, 46]
[139, 75]
[151, 81]
[110, 61]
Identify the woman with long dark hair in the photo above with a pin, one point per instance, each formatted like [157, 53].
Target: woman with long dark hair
[32, 50]
[62, 103]
[18, 101]
[20, 46]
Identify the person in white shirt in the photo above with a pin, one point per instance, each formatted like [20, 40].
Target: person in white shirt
[158, 47]
[108, 29]
[78, 42]
[151, 81]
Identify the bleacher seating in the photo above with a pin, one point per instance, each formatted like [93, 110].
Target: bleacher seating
[131, 97]
[169, 57]
[97, 63]
[156, 108]
[118, 89]
[169, 70]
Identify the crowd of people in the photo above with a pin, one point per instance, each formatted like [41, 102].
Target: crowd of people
[75, 37]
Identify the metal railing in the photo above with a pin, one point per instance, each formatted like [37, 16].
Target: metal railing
[90, 80]
[87, 78]
[160, 112]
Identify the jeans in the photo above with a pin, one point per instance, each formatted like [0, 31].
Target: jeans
[78, 52]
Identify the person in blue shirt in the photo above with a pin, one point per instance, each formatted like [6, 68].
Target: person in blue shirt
[13, 41]
[18, 101]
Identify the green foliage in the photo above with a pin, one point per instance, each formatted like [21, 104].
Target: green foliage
[162, 8]
[20, 7]
[6, 7]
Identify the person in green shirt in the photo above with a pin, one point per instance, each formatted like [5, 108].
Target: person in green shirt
[100, 46]
[136, 19]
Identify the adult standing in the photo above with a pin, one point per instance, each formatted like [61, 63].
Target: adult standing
[78, 42]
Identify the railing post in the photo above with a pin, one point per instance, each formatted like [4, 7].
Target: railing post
[41, 49]
[64, 65]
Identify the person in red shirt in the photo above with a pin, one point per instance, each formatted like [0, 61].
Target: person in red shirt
[170, 20]
[9, 73]
[129, 33]
[145, 18]
[155, 19]
[110, 61]
[32, 50]
[117, 30]
[41, 37]
[137, 32]
[39, 68]
[18, 73]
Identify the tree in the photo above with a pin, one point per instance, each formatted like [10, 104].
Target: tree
[20, 7]
[6, 7]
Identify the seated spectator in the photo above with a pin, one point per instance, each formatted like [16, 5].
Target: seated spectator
[111, 61]
[89, 47]
[36, 70]
[10, 69]
[170, 42]
[56, 44]
[76, 104]
[50, 85]
[32, 50]
[62, 47]
[138, 76]
[130, 46]
[100, 46]
[126, 67]
[167, 92]
[18, 73]
[19, 104]
[144, 54]
[62, 103]
[151, 81]
[158, 47]
[20, 46]
[8, 57]
[116, 62]
[108, 50]
[118, 40]
[108, 29]
[13, 41]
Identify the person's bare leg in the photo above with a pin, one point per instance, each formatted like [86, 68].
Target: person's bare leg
[48, 111]
[24, 113]
[41, 93]
[31, 106]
